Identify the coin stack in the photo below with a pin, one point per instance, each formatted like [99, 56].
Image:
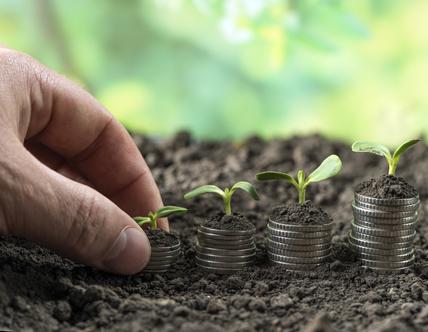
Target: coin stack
[163, 258]
[298, 247]
[225, 251]
[383, 231]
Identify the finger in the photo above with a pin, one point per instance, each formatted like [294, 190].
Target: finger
[70, 218]
[55, 162]
[74, 125]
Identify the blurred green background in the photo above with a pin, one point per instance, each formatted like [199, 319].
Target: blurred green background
[230, 69]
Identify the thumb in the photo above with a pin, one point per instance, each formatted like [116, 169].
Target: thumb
[73, 219]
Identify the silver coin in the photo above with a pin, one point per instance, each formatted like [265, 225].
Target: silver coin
[297, 260]
[391, 208]
[301, 254]
[388, 265]
[385, 221]
[379, 245]
[226, 259]
[228, 232]
[300, 228]
[217, 270]
[380, 232]
[223, 237]
[295, 267]
[390, 258]
[163, 260]
[380, 252]
[287, 240]
[358, 211]
[384, 239]
[386, 201]
[301, 248]
[393, 227]
[298, 235]
[170, 248]
[225, 252]
[157, 266]
[225, 245]
[166, 253]
[222, 265]
[385, 270]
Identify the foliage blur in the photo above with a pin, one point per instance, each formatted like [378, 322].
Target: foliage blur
[233, 68]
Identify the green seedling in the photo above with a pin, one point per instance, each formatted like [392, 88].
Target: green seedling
[328, 168]
[382, 150]
[226, 194]
[163, 212]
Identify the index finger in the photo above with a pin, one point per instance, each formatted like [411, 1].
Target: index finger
[69, 121]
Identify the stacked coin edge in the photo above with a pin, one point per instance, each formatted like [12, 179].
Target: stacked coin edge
[298, 247]
[225, 251]
[163, 258]
[383, 231]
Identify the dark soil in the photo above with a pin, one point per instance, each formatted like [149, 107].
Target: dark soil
[160, 238]
[233, 222]
[40, 291]
[386, 186]
[301, 214]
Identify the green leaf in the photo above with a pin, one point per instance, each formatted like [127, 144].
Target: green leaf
[404, 147]
[204, 190]
[246, 186]
[328, 168]
[142, 220]
[379, 149]
[169, 210]
[267, 176]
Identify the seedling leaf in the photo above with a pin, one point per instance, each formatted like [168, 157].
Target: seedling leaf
[267, 176]
[169, 210]
[204, 190]
[246, 186]
[328, 168]
[379, 149]
[404, 147]
[142, 220]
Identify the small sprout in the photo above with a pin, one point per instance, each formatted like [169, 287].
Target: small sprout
[163, 212]
[382, 150]
[226, 194]
[328, 168]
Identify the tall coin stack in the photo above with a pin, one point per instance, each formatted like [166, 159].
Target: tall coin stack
[225, 251]
[298, 247]
[383, 231]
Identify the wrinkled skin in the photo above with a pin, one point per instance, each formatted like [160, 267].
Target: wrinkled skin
[70, 175]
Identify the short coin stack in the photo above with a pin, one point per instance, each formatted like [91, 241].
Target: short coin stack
[163, 258]
[383, 231]
[225, 251]
[298, 247]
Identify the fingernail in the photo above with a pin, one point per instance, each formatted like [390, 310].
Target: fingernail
[129, 254]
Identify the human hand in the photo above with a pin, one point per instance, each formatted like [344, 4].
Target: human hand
[70, 175]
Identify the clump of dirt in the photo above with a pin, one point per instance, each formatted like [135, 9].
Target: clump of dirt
[160, 238]
[301, 214]
[386, 186]
[233, 222]
[40, 291]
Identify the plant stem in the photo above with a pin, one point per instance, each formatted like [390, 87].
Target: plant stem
[302, 195]
[392, 167]
[227, 205]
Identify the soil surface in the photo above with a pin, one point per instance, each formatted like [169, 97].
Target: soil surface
[40, 291]
[233, 222]
[386, 186]
[300, 214]
[160, 238]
